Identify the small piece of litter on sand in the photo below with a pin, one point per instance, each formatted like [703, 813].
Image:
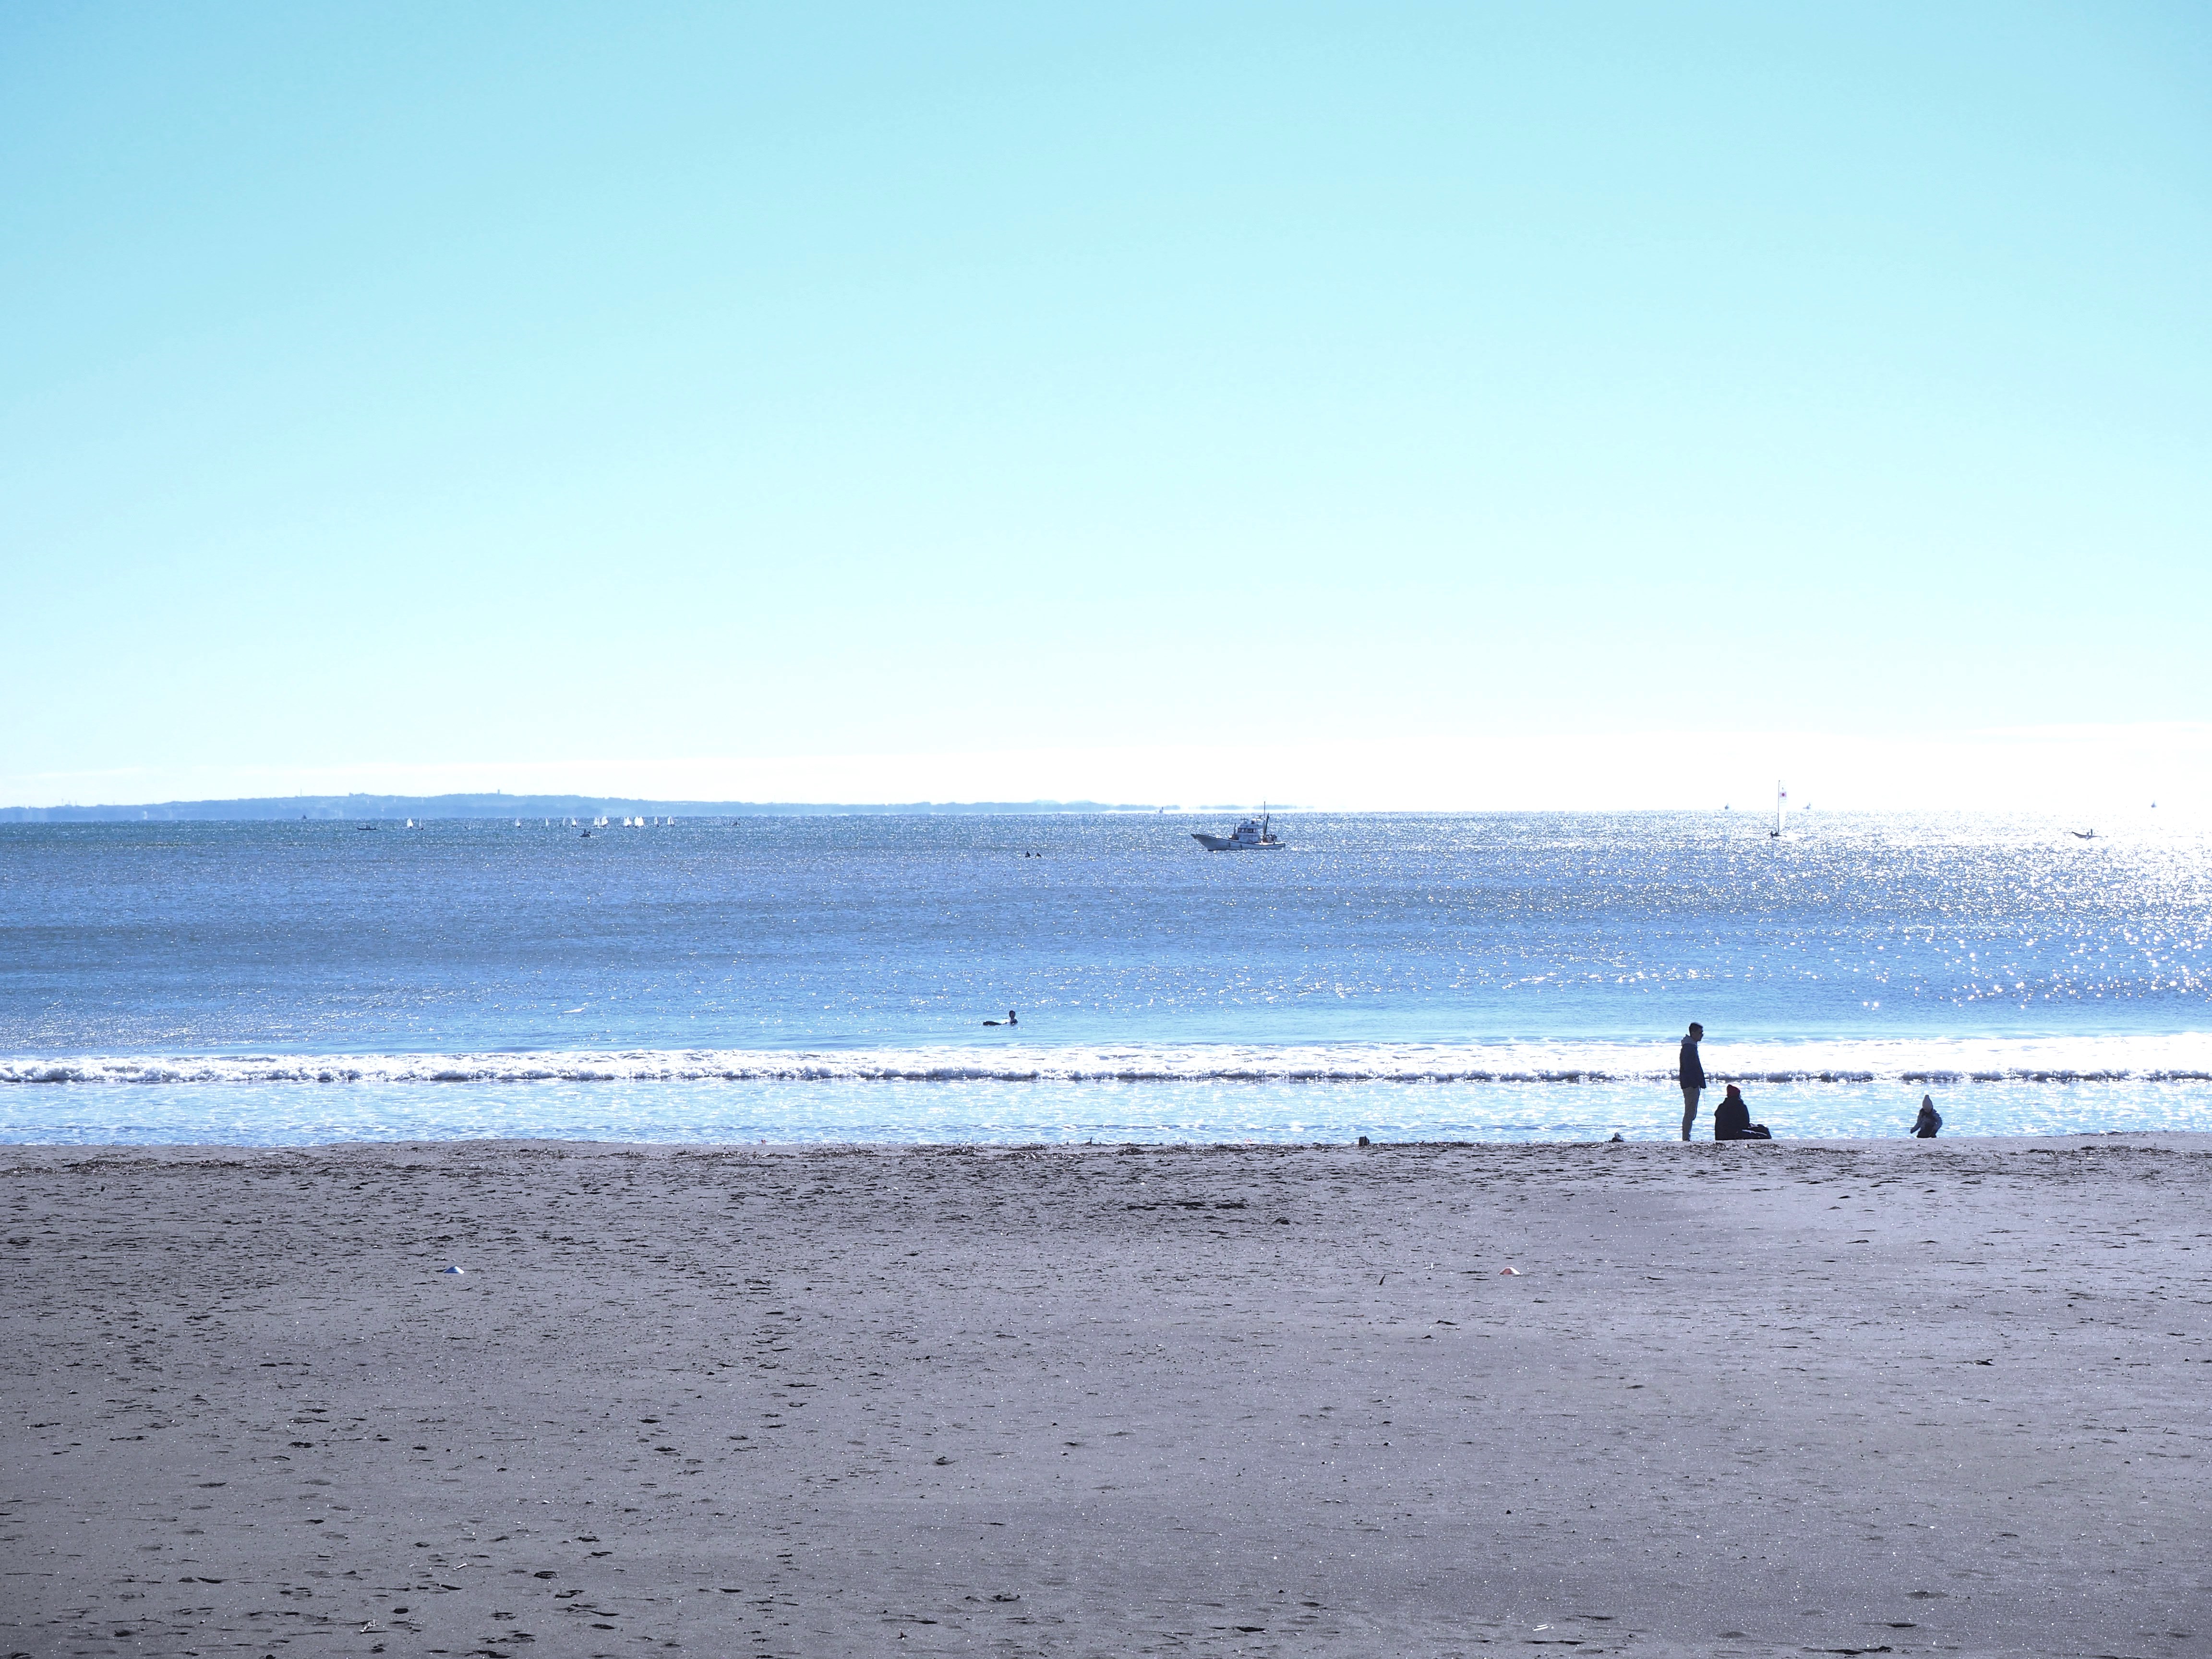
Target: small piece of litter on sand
[449, 1270]
[1509, 1273]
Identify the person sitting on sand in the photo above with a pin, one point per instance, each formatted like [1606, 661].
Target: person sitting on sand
[1732, 1119]
[1929, 1120]
[1009, 1020]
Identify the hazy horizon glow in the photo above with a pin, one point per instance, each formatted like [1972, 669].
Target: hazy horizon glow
[2100, 774]
[1417, 405]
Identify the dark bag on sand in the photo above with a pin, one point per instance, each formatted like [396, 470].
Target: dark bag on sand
[1757, 1132]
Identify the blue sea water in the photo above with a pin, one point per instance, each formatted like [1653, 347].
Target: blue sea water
[827, 978]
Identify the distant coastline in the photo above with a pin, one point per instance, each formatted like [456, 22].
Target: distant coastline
[376, 808]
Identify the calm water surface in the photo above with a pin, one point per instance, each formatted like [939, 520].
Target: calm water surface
[827, 978]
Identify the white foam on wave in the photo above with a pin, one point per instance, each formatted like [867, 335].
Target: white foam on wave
[2185, 1057]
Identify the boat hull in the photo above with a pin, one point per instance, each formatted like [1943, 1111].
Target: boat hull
[1231, 844]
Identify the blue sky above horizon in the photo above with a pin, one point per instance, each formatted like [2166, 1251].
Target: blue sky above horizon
[531, 391]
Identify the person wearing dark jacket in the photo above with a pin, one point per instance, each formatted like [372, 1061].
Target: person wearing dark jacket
[1693, 1073]
[1929, 1120]
[1732, 1119]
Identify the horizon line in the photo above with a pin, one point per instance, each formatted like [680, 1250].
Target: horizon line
[454, 807]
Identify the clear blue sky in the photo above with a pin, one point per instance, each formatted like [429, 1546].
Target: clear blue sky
[461, 385]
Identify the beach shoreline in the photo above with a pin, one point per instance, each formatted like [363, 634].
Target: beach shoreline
[1014, 1113]
[1838, 1396]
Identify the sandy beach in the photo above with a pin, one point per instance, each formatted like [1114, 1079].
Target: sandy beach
[1944, 1397]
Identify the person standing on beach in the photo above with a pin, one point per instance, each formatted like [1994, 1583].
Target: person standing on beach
[1693, 1073]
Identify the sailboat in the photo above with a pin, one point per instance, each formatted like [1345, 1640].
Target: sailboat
[1781, 798]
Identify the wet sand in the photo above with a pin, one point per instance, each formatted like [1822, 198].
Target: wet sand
[1944, 1397]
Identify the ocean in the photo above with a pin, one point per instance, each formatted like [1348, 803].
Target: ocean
[1406, 976]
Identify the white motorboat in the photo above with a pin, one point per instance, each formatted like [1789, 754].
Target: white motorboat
[1248, 838]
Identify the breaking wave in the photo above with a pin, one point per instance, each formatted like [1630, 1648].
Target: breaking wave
[2165, 1059]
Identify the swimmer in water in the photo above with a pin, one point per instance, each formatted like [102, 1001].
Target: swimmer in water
[1008, 1020]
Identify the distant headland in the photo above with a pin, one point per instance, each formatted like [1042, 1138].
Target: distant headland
[375, 808]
